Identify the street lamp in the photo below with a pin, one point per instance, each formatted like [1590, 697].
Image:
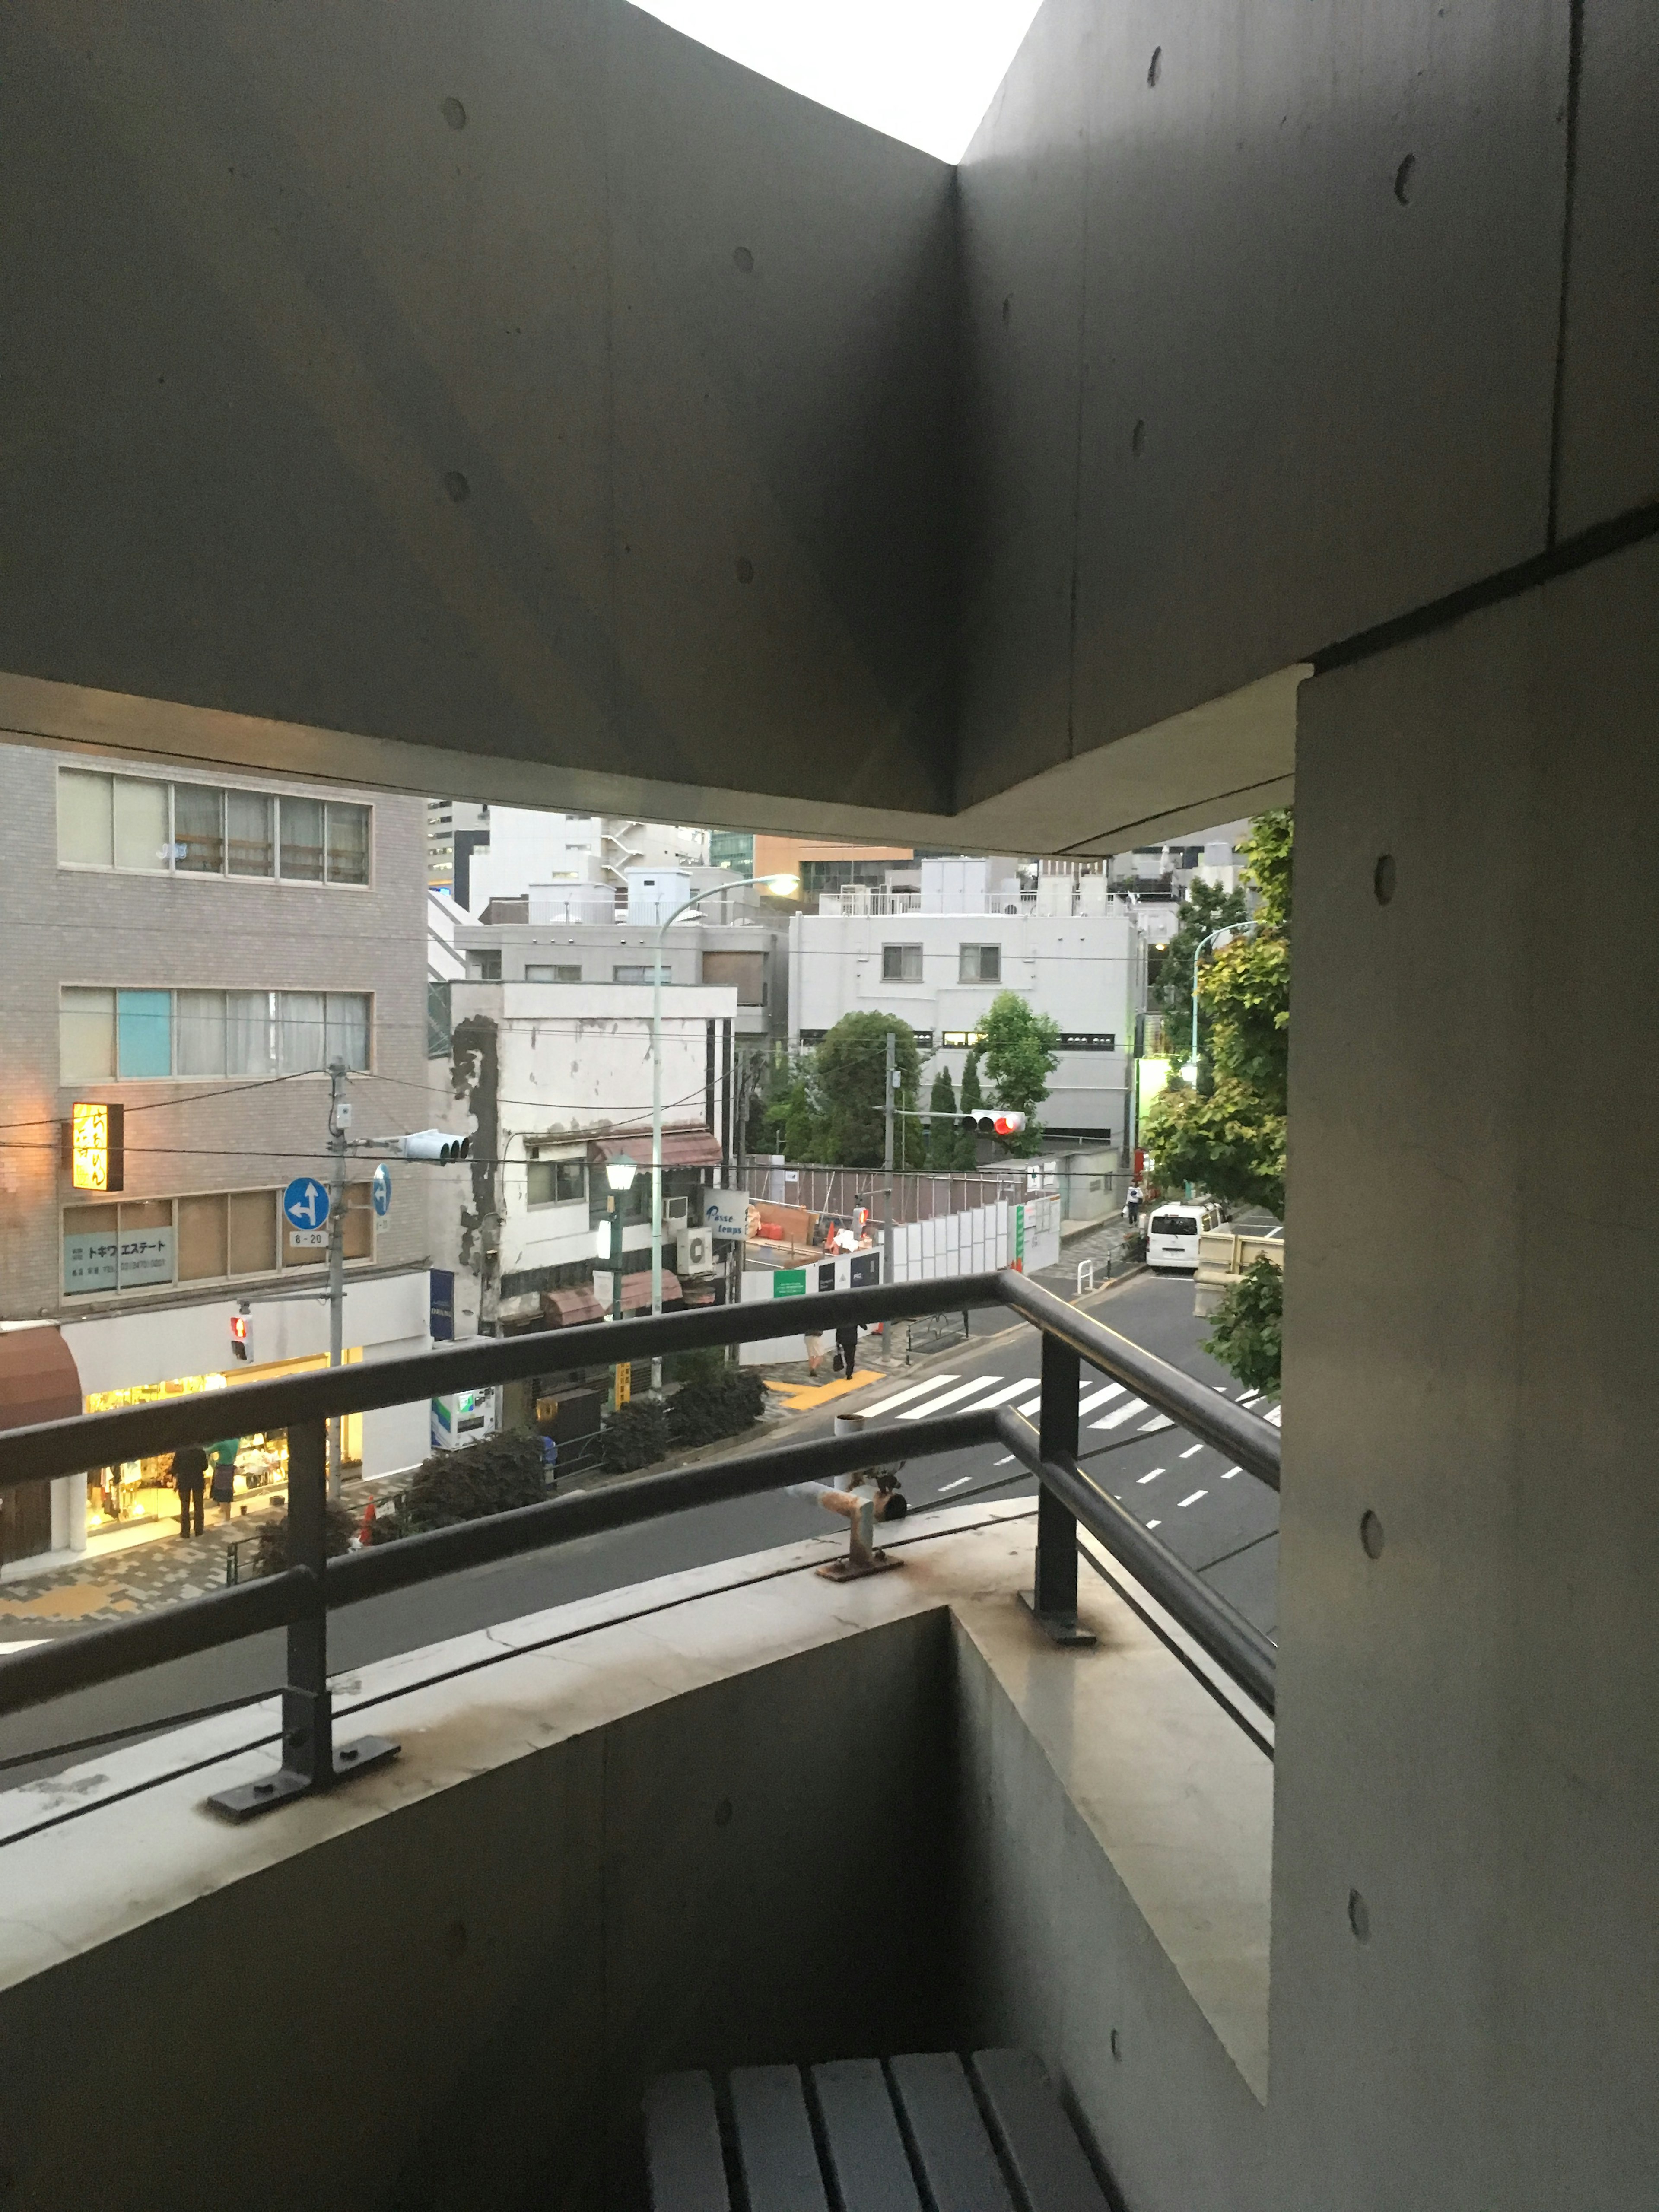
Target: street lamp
[1216, 936]
[786, 886]
[619, 1174]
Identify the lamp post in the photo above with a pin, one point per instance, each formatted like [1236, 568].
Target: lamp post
[619, 1174]
[784, 885]
[1216, 936]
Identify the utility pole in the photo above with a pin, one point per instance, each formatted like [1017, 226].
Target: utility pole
[339, 1122]
[887, 1162]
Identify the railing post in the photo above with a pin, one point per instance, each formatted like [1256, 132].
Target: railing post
[310, 1762]
[1053, 1601]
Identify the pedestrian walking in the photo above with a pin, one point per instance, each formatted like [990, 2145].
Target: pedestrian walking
[224, 1474]
[189, 1466]
[1132, 1203]
[846, 1347]
[814, 1354]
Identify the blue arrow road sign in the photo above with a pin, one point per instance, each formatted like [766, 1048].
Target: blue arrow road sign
[381, 1190]
[306, 1203]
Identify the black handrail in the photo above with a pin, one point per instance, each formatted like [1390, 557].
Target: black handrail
[301, 1597]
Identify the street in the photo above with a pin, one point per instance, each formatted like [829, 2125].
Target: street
[1222, 1523]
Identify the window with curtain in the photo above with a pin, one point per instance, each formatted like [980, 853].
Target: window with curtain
[86, 1036]
[249, 1048]
[86, 833]
[143, 1034]
[347, 1030]
[249, 849]
[348, 843]
[560, 973]
[979, 964]
[556, 1182]
[201, 1238]
[199, 1032]
[900, 963]
[301, 823]
[301, 1032]
[252, 1232]
[142, 834]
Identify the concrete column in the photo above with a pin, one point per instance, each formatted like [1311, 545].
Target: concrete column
[68, 1513]
[1465, 2002]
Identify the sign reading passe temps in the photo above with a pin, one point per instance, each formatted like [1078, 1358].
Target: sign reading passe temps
[305, 1203]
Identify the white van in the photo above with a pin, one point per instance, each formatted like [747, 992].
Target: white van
[1173, 1232]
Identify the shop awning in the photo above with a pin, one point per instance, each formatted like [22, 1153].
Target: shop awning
[38, 1378]
[681, 1148]
[571, 1309]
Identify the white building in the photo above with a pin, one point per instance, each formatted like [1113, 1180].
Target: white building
[939, 957]
[551, 1080]
[527, 847]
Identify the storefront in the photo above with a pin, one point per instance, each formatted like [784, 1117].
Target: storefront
[39, 1381]
[126, 1496]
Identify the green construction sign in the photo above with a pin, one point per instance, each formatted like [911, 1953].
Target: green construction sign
[789, 1283]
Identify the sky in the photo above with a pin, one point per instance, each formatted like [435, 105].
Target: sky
[922, 70]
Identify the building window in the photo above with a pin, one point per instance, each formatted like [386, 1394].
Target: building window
[141, 823]
[900, 963]
[979, 964]
[960, 1039]
[439, 1027]
[483, 967]
[557, 974]
[556, 1182]
[209, 1236]
[128, 1036]
[635, 975]
[252, 1232]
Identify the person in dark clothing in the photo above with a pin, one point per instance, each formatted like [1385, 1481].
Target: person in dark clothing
[189, 1465]
[847, 1343]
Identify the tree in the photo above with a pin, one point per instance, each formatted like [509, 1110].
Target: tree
[850, 1077]
[1208, 908]
[789, 1118]
[972, 1097]
[942, 1133]
[1022, 1051]
[1246, 1334]
[1226, 1135]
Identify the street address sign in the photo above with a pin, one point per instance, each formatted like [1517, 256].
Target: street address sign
[305, 1203]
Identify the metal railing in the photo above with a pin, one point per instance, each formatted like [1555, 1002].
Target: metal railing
[300, 1598]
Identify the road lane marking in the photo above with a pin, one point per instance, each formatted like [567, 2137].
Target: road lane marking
[1099, 1397]
[1153, 1476]
[1126, 1412]
[1154, 1524]
[1008, 1390]
[903, 1397]
[1193, 1452]
[1273, 1415]
[1245, 1396]
[956, 1485]
[1194, 1499]
[1006, 1460]
[1158, 1421]
[938, 1404]
[1227, 1474]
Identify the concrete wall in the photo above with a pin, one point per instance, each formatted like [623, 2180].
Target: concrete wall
[1465, 1720]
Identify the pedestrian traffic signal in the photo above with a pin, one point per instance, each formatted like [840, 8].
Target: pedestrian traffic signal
[436, 1145]
[241, 1334]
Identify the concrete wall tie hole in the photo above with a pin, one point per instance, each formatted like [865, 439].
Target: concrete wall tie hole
[744, 259]
[1382, 878]
[1370, 1534]
[745, 570]
[723, 1813]
[1359, 1916]
[1117, 2045]
[1402, 179]
[453, 114]
[1137, 440]
[456, 486]
[1155, 67]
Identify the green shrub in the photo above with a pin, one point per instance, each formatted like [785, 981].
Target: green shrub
[1245, 1335]
[1135, 1248]
[493, 1475]
[635, 1435]
[720, 1405]
[696, 1366]
[339, 1527]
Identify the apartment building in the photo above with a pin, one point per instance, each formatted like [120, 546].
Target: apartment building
[939, 955]
[197, 950]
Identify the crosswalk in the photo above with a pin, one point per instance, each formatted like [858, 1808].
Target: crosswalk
[977, 1393]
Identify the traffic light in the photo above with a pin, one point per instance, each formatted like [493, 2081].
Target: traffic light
[436, 1145]
[241, 1333]
[997, 1123]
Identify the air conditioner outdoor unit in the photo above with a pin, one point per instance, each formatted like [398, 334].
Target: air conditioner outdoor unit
[675, 1211]
[695, 1249]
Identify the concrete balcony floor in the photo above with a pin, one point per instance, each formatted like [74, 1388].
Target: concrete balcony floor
[738, 1815]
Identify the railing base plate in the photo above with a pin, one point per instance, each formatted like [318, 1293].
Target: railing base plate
[1057, 1628]
[853, 1570]
[252, 1798]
